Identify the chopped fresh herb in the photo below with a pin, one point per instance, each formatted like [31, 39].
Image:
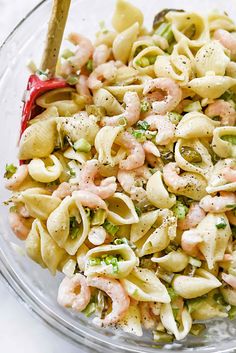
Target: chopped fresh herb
[180, 210]
[139, 135]
[145, 107]
[90, 309]
[72, 80]
[220, 223]
[232, 313]
[67, 53]
[193, 107]
[74, 228]
[82, 145]
[10, 171]
[138, 211]
[98, 217]
[143, 125]
[173, 295]
[89, 65]
[229, 138]
[175, 117]
[194, 262]
[95, 261]
[197, 329]
[110, 228]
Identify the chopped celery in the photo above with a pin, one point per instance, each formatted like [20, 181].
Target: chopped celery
[229, 138]
[90, 309]
[194, 262]
[98, 217]
[110, 227]
[10, 170]
[180, 210]
[231, 207]
[119, 241]
[74, 228]
[175, 117]
[139, 135]
[173, 295]
[194, 304]
[72, 80]
[142, 62]
[95, 261]
[232, 313]
[165, 31]
[89, 65]
[145, 106]
[193, 107]
[197, 329]
[67, 53]
[143, 125]
[220, 223]
[162, 337]
[82, 145]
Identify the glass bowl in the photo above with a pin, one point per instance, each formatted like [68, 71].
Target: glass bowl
[34, 286]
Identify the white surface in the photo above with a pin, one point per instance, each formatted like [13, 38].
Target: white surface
[19, 331]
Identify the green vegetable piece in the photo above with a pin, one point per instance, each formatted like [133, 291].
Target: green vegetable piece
[139, 135]
[193, 107]
[90, 309]
[71, 172]
[138, 211]
[173, 295]
[166, 155]
[180, 210]
[194, 304]
[175, 117]
[98, 217]
[10, 170]
[152, 59]
[218, 297]
[74, 228]
[120, 241]
[162, 337]
[67, 53]
[145, 107]
[232, 313]
[143, 125]
[228, 95]
[110, 228]
[190, 155]
[197, 329]
[143, 62]
[165, 31]
[72, 80]
[82, 145]
[139, 49]
[229, 138]
[89, 65]
[221, 224]
[95, 261]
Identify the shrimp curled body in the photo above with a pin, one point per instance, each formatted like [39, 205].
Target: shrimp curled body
[172, 99]
[19, 225]
[83, 52]
[189, 243]
[17, 179]
[229, 174]
[223, 109]
[166, 130]
[68, 293]
[82, 88]
[136, 157]
[120, 300]
[218, 204]
[107, 186]
[172, 178]
[101, 54]
[227, 39]
[193, 218]
[104, 72]
[89, 199]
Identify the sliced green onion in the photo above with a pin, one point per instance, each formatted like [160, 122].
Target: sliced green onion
[110, 228]
[72, 80]
[165, 31]
[197, 329]
[180, 210]
[90, 309]
[98, 217]
[229, 138]
[89, 65]
[162, 337]
[145, 106]
[142, 62]
[82, 145]
[67, 53]
[10, 170]
[95, 261]
[194, 262]
[120, 241]
[139, 135]
[74, 228]
[232, 313]
[193, 107]
[220, 223]
[143, 125]
[71, 172]
[175, 117]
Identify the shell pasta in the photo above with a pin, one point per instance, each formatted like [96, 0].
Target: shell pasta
[127, 177]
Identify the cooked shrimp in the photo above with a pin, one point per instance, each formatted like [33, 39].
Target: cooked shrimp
[172, 178]
[107, 186]
[64, 189]
[165, 128]
[101, 54]
[231, 217]
[171, 100]
[120, 299]
[74, 293]
[193, 218]
[17, 179]
[136, 157]
[150, 148]
[132, 182]
[229, 279]
[218, 204]
[19, 225]
[104, 72]
[83, 51]
[228, 40]
[22, 210]
[190, 241]
[229, 174]
[147, 317]
[131, 113]
[223, 109]
[89, 199]
[82, 88]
